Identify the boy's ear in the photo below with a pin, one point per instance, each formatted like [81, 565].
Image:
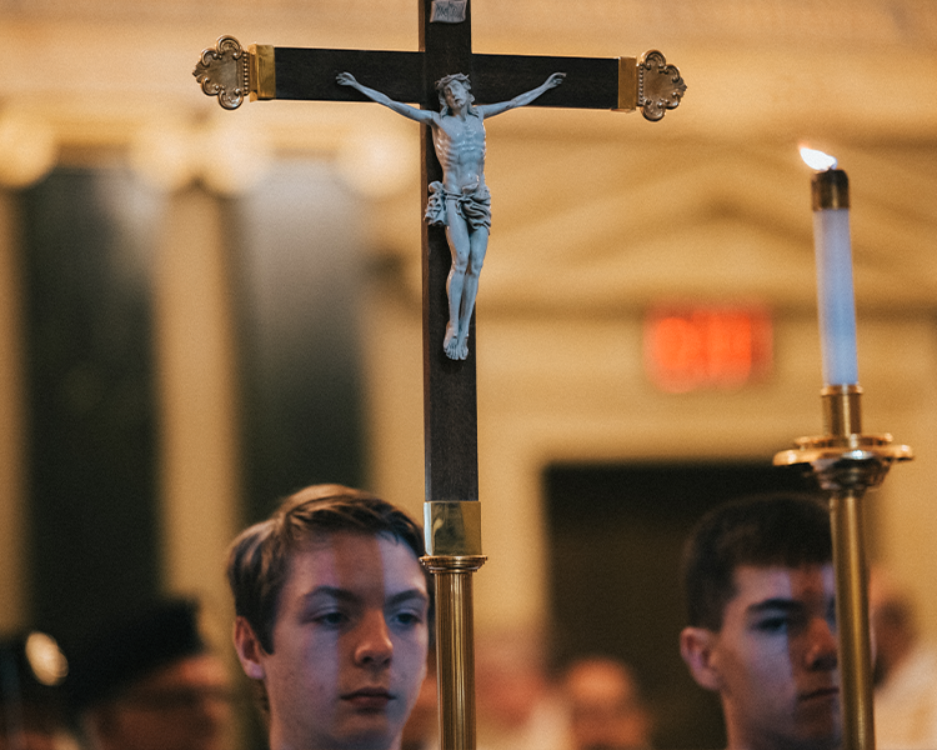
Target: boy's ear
[697, 646]
[250, 652]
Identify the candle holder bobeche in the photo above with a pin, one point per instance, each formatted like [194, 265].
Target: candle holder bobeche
[846, 463]
[844, 458]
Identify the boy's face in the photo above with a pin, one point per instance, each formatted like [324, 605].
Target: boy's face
[349, 645]
[774, 662]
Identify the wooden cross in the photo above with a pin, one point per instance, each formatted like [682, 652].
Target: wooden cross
[265, 72]
[449, 394]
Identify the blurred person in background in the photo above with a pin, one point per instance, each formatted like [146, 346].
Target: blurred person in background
[606, 709]
[517, 706]
[905, 699]
[149, 682]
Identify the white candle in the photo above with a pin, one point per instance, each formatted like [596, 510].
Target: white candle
[836, 301]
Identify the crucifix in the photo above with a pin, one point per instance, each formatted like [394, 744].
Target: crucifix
[496, 82]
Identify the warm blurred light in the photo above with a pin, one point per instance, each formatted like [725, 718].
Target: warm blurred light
[233, 155]
[161, 154]
[698, 348]
[46, 659]
[817, 159]
[229, 157]
[28, 146]
[379, 162]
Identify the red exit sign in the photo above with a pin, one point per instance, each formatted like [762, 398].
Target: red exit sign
[695, 348]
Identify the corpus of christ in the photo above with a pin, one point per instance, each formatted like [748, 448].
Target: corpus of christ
[460, 202]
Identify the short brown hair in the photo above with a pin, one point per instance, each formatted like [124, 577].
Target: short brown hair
[788, 530]
[258, 559]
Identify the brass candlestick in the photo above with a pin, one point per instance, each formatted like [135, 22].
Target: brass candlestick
[846, 463]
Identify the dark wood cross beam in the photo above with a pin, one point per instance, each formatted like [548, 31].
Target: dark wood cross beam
[400, 75]
[267, 72]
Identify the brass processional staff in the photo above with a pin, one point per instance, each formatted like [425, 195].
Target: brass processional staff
[452, 511]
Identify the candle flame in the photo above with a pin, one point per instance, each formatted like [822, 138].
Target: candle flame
[817, 159]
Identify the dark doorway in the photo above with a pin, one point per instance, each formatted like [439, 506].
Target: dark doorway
[617, 533]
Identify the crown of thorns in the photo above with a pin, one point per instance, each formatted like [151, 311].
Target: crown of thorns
[446, 80]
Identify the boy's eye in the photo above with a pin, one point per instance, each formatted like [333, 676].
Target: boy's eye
[772, 624]
[408, 618]
[329, 618]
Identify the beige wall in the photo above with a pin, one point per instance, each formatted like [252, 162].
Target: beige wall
[597, 215]
[200, 466]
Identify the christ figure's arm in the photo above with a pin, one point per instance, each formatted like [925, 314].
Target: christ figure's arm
[413, 113]
[521, 100]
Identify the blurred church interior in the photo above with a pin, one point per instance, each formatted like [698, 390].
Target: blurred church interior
[202, 311]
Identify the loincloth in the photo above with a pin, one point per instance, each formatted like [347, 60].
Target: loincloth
[473, 205]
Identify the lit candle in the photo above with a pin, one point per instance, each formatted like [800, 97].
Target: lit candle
[836, 302]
